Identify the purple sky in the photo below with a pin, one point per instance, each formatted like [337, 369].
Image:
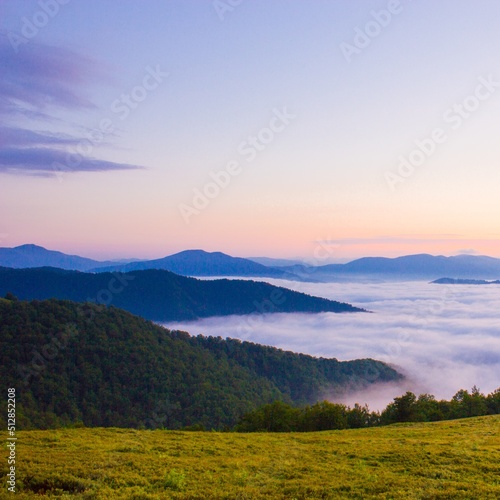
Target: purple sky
[278, 128]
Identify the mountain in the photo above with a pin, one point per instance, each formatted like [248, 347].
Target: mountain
[201, 263]
[102, 366]
[271, 262]
[421, 266]
[35, 256]
[186, 263]
[452, 281]
[161, 295]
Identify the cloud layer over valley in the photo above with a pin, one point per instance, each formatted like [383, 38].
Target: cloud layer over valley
[443, 338]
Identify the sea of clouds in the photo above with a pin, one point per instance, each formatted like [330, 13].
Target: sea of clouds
[441, 337]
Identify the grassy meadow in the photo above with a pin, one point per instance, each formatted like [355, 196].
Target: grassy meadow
[445, 460]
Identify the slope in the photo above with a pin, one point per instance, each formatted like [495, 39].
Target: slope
[105, 367]
[162, 295]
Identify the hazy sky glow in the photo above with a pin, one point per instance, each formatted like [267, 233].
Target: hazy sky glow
[272, 127]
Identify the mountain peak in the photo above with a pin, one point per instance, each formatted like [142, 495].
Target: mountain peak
[30, 246]
[31, 255]
[199, 252]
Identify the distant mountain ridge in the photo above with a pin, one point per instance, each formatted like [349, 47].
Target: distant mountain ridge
[161, 295]
[273, 262]
[186, 263]
[25, 256]
[420, 266]
[452, 281]
[201, 263]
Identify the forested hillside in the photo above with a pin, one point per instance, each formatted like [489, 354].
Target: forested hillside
[304, 379]
[160, 295]
[101, 366]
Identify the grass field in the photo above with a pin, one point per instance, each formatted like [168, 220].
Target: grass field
[445, 460]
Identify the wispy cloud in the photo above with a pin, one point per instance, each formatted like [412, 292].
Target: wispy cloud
[400, 240]
[31, 160]
[37, 83]
[420, 243]
[467, 251]
[42, 76]
[21, 137]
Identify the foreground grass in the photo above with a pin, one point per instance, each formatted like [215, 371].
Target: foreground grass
[444, 460]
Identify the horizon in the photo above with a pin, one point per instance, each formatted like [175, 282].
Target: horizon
[311, 262]
[261, 128]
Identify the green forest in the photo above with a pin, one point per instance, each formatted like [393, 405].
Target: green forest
[92, 365]
[162, 296]
[96, 366]
[323, 416]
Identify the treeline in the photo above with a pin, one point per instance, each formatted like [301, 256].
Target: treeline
[425, 408]
[97, 366]
[281, 417]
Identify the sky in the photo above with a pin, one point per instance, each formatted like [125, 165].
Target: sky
[253, 127]
[442, 338]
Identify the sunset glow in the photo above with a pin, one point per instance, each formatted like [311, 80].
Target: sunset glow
[265, 128]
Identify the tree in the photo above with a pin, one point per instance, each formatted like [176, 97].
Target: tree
[403, 409]
[360, 416]
[493, 402]
[428, 409]
[274, 417]
[323, 416]
[469, 405]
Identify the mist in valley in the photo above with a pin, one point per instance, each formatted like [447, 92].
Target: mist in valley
[442, 338]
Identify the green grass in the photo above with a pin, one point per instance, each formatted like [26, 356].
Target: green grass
[446, 460]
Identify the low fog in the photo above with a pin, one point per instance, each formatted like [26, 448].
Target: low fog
[442, 337]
